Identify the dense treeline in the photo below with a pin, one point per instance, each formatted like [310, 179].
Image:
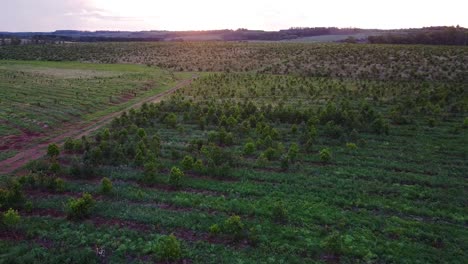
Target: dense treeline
[431, 36]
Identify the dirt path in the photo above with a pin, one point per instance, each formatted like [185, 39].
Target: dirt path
[77, 131]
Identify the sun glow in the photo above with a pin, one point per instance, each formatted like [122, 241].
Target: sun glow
[218, 14]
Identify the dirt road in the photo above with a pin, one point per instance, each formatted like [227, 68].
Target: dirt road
[77, 131]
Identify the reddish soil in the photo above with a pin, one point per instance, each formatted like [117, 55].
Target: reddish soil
[26, 154]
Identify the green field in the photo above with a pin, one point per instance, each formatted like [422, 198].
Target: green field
[43, 97]
[259, 167]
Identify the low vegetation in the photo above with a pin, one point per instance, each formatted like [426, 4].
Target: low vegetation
[257, 167]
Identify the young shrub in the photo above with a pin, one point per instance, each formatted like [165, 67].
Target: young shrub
[279, 213]
[168, 248]
[53, 151]
[284, 161]
[333, 130]
[325, 155]
[139, 158]
[198, 166]
[13, 196]
[69, 145]
[294, 129]
[175, 177]
[28, 206]
[308, 147]
[58, 185]
[171, 120]
[270, 153]
[293, 152]
[141, 133]
[249, 148]
[187, 163]
[215, 229]
[80, 208]
[150, 172]
[54, 168]
[234, 227]
[380, 126]
[106, 134]
[106, 186]
[11, 218]
[465, 123]
[351, 146]
[261, 161]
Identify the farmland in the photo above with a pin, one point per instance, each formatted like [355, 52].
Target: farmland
[276, 153]
[40, 97]
[383, 62]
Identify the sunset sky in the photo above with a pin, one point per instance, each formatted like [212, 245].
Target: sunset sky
[49, 15]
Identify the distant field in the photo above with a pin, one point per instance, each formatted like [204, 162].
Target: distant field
[361, 61]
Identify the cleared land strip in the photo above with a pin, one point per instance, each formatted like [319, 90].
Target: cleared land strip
[77, 131]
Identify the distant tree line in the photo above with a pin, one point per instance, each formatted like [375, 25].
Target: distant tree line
[292, 33]
[9, 40]
[429, 36]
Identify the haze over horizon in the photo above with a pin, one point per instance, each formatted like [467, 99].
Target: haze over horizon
[136, 15]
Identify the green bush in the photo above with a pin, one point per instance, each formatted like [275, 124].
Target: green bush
[270, 153]
[168, 248]
[261, 161]
[69, 144]
[106, 185]
[325, 155]
[58, 185]
[465, 123]
[351, 146]
[187, 163]
[53, 151]
[79, 208]
[380, 126]
[249, 148]
[150, 172]
[215, 229]
[171, 120]
[10, 218]
[13, 196]
[55, 168]
[293, 152]
[294, 129]
[175, 177]
[234, 227]
[198, 166]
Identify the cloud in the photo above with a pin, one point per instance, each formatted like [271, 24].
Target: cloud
[50, 15]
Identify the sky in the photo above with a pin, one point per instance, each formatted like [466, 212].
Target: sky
[135, 15]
